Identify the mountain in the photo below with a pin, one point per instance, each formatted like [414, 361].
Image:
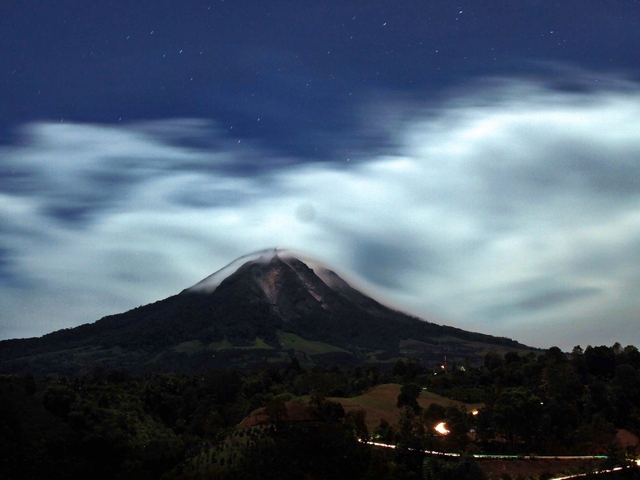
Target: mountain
[262, 308]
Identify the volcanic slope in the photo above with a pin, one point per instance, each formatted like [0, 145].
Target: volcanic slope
[263, 308]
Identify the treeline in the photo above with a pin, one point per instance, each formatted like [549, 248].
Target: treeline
[551, 403]
[110, 424]
[555, 402]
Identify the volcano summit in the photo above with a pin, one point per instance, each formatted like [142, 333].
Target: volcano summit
[266, 307]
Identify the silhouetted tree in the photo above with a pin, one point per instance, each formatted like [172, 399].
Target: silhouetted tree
[276, 411]
[409, 397]
[601, 361]
[516, 412]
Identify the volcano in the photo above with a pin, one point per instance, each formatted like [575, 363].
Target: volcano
[264, 308]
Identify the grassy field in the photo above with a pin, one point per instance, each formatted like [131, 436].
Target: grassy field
[380, 402]
[196, 346]
[289, 340]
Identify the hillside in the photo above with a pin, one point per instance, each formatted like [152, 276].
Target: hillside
[378, 403]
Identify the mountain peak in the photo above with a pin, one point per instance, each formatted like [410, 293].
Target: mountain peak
[279, 276]
[211, 283]
[265, 258]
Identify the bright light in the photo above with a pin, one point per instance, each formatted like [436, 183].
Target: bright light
[475, 412]
[441, 428]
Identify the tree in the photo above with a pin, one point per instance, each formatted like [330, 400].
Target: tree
[601, 361]
[411, 440]
[511, 357]
[579, 361]
[294, 366]
[466, 468]
[58, 399]
[516, 412]
[276, 411]
[384, 432]
[631, 356]
[577, 353]
[409, 397]
[554, 355]
[561, 382]
[493, 360]
[357, 420]
[626, 377]
[399, 368]
[457, 422]
[433, 414]
[325, 410]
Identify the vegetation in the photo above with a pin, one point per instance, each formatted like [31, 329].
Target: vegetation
[111, 424]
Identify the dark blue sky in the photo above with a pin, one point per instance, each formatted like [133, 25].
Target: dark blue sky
[302, 68]
[475, 163]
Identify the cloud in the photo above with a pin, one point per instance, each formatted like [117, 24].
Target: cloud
[514, 214]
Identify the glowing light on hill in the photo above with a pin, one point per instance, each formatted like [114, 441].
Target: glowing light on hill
[441, 428]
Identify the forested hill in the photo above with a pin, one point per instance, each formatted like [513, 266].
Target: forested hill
[108, 424]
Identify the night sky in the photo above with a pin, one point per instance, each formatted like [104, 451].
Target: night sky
[474, 163]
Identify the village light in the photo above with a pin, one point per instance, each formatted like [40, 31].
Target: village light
[441, 428]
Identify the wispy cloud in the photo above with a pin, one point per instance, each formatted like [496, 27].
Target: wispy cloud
[515, 215]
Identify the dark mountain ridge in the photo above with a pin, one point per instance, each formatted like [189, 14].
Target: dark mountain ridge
[268, 310]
